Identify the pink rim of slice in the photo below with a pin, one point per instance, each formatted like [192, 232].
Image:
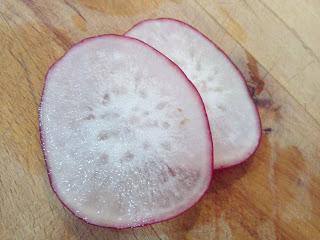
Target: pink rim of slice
[233, 117]
[125, 134]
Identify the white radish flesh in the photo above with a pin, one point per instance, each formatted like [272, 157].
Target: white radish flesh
[232, 114]
[125, 134]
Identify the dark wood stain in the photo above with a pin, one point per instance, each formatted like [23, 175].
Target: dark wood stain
[263, 102]
[267, 130]
[256, 84]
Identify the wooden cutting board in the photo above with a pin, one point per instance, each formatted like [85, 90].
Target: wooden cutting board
[274, 195]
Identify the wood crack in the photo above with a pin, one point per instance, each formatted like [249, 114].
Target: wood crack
[292, 31]
[155, 232]
[250, 8]
[302, 70]
[75, 10]
[134, 234]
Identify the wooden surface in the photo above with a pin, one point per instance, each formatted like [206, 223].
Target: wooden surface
[274, 195]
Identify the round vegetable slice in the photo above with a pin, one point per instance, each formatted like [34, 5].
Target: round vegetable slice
[125, 134]
[233, 117]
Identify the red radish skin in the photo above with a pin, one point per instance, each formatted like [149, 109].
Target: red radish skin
[207, 138]
[156, 33]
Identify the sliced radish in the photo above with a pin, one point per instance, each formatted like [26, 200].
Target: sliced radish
[125, 133]
[233, 117]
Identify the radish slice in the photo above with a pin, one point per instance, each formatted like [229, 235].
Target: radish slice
[233, 117]
[125, 133]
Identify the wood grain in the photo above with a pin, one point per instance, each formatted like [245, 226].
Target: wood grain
[288, 52]
[274, 195]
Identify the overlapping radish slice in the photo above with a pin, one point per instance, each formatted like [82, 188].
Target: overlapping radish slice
[125, 133]
[232, 114]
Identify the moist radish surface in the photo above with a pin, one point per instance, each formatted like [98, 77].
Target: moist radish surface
[232, 114]
[125, 134]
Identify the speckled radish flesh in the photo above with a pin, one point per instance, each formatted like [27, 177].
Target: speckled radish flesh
[232, 114]
[125, 134]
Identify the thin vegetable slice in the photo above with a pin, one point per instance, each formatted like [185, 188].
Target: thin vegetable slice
[233, 117]
[125, 134]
